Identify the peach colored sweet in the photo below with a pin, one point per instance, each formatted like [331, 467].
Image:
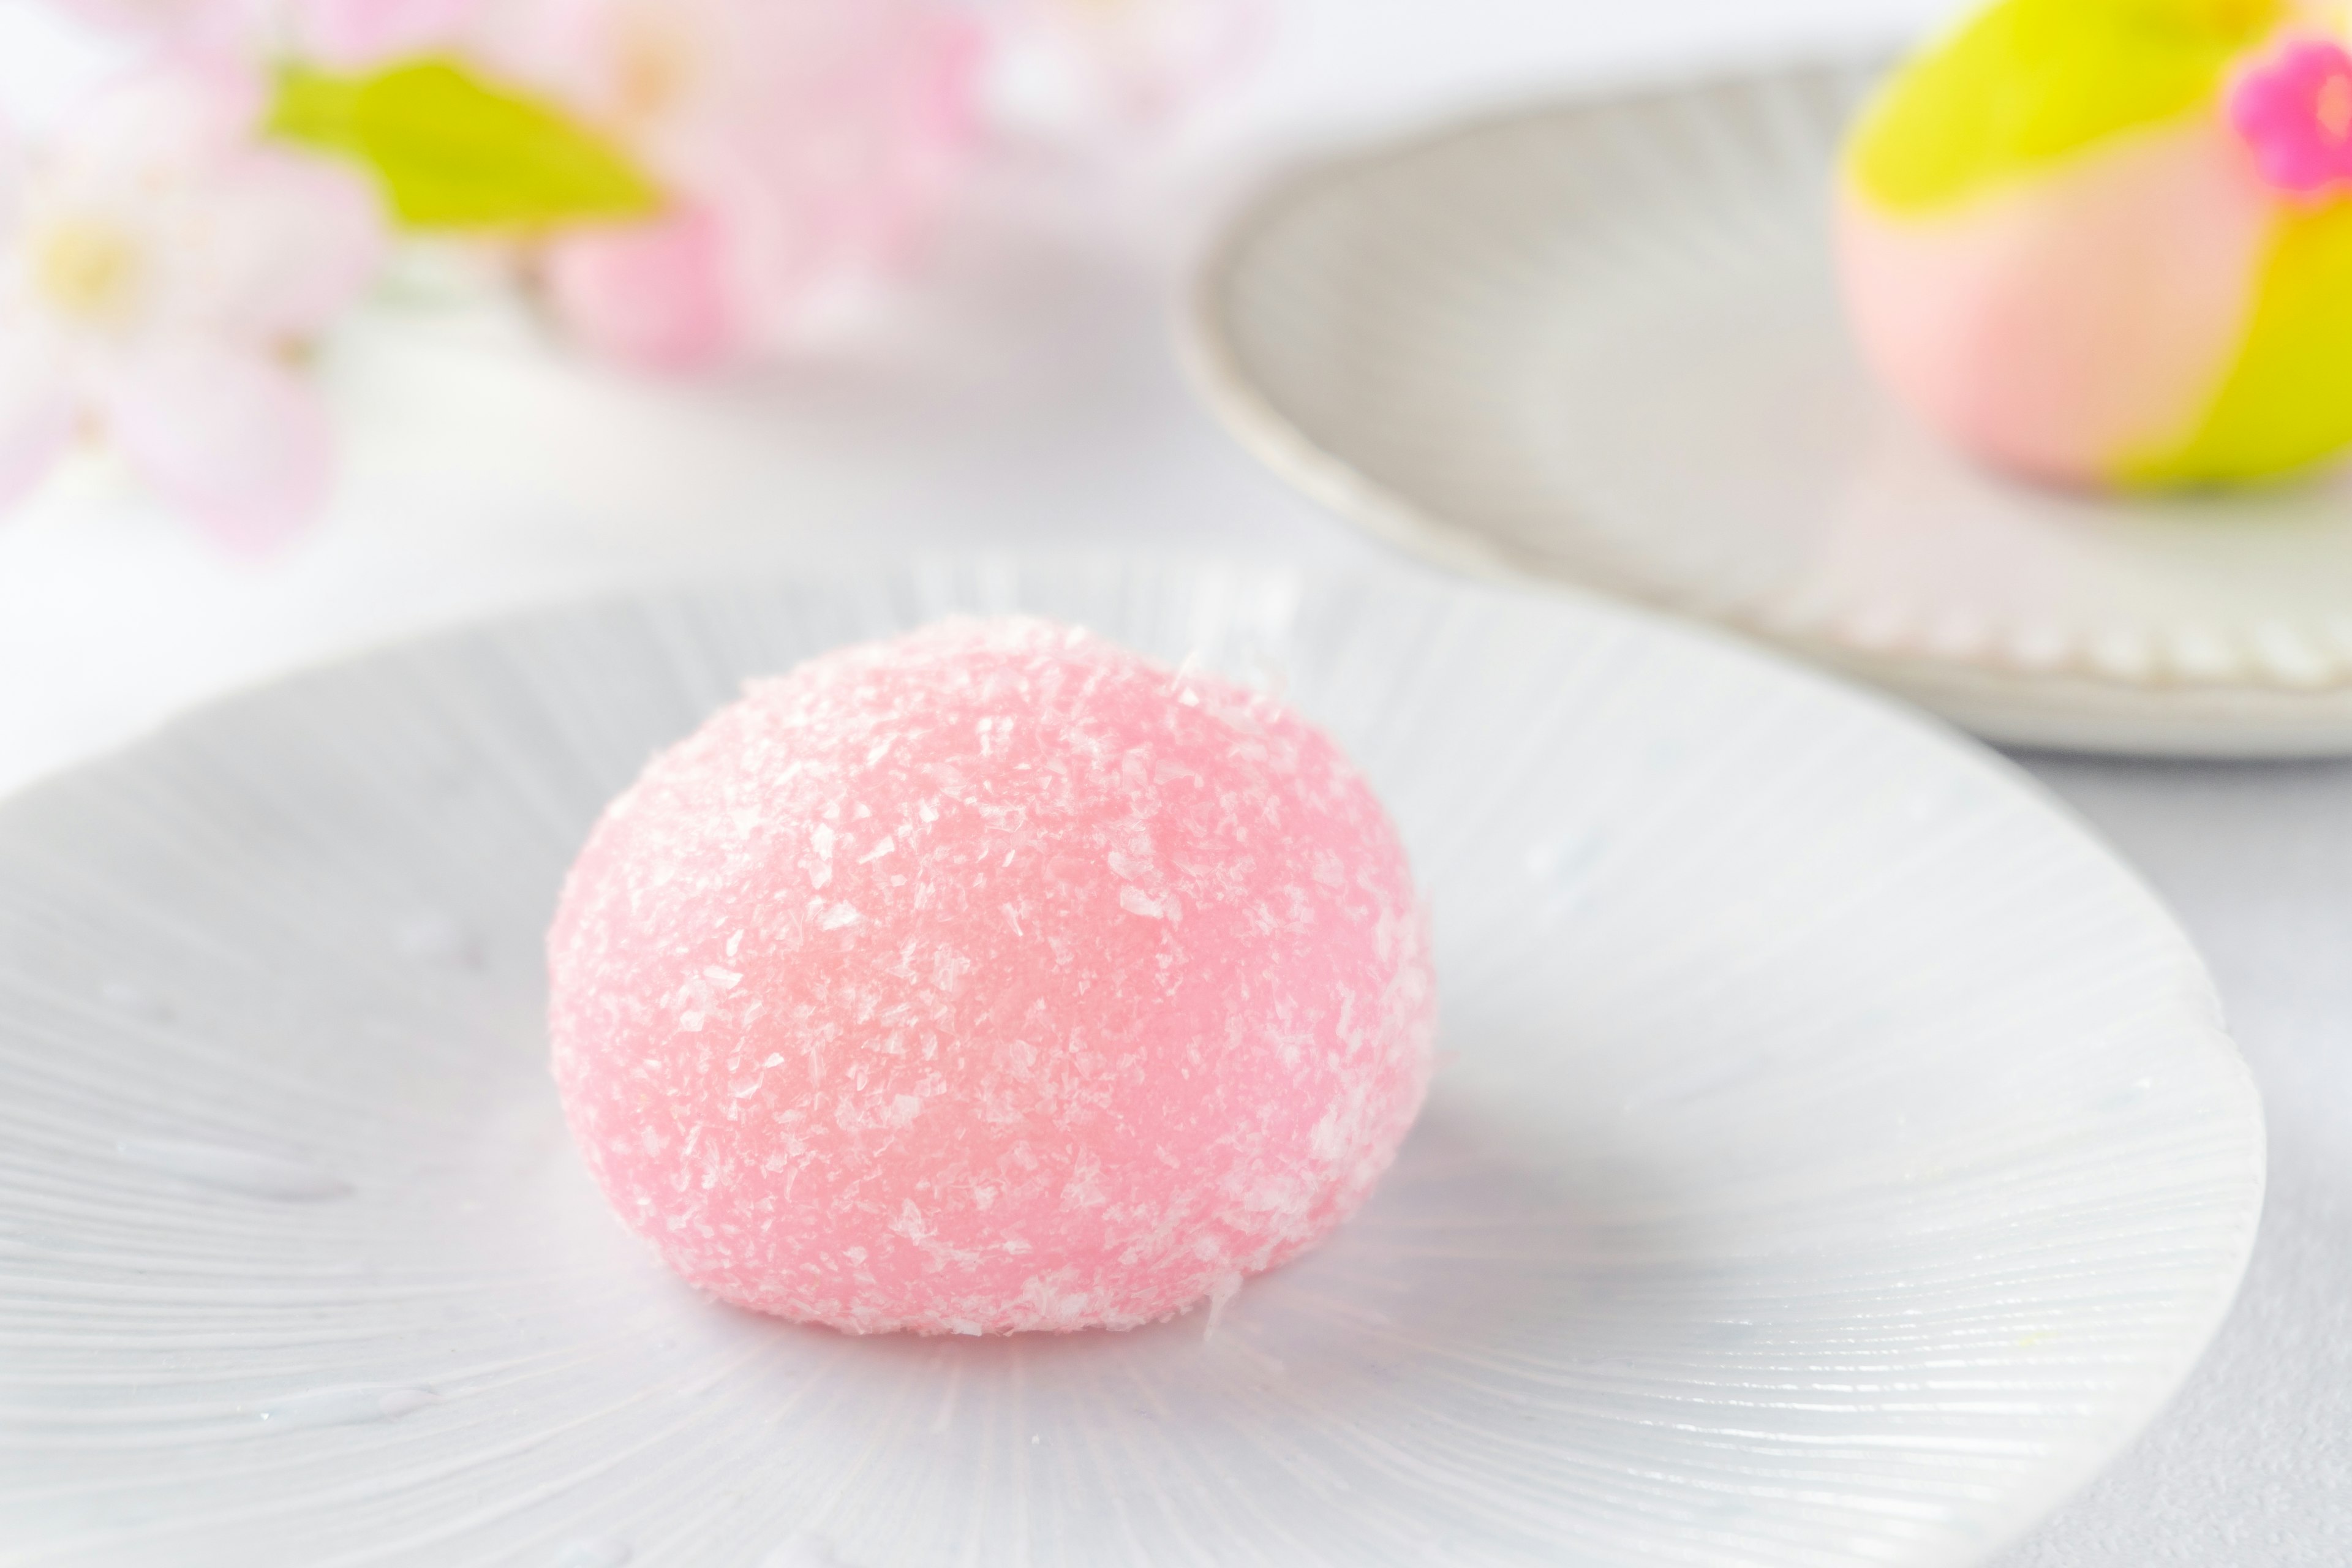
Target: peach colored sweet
[991, 978]
[2062, 326]
[2107, 243]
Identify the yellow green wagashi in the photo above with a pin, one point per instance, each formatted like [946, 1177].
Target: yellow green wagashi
[2108, 243]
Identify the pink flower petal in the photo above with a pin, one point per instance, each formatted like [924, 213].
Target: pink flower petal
[655, 296]
[238, 441]
[348, 34]
[36, 415]
[291, 242]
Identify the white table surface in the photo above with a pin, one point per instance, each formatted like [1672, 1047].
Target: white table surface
[1022, 393]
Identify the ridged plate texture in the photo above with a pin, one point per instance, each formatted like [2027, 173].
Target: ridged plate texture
[1602, 342]
[1837, 1155]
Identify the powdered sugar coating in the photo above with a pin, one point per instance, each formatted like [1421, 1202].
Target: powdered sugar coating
[991, 978]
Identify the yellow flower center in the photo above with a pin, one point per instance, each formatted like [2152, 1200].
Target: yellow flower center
[86, 268]
[653, 68]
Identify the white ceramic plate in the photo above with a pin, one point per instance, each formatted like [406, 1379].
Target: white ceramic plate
[1602, 343]
[1840, 1156]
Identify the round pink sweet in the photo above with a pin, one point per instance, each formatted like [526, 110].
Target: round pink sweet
[987, 979]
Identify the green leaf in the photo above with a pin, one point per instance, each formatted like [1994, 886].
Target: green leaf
[453, 152]
[2029, 82]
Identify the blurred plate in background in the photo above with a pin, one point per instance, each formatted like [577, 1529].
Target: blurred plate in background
[1602, 343]
[1838, 1156]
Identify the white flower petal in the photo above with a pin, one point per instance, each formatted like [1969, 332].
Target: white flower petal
[239, 441]
[286, 244]
[187, 112]
[12, 176]
[36, 412]
[127, 196]
[216, 26]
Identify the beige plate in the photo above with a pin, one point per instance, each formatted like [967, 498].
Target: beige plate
[1600, 343]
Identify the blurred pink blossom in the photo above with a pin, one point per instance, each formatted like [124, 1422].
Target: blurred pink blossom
[801, 139]
[1136, 62]
[158, 266]
[2295, 110]
[655, 295]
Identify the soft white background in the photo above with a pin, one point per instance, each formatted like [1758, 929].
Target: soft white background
[1022, 391]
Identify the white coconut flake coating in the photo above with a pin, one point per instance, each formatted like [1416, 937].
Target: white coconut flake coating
[991, 978]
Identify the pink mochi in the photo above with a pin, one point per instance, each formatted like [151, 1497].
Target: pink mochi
[991, 978]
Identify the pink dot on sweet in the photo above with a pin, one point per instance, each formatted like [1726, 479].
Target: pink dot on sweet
[2295, 110]
[992, 978]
